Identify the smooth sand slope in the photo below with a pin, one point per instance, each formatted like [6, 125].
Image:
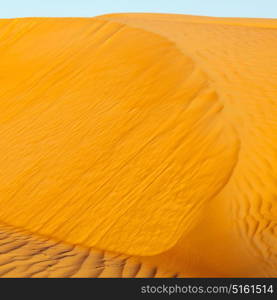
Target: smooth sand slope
[142, 144]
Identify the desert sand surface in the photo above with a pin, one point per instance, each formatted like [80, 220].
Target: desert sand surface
[31, 256]
[138, 145]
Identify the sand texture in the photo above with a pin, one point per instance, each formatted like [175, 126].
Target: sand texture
[138, 145]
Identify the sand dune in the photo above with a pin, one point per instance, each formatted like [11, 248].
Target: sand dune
[149, 136]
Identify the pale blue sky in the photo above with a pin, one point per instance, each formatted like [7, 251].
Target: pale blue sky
[89, 8]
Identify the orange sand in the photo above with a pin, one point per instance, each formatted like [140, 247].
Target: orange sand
[147, 135]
